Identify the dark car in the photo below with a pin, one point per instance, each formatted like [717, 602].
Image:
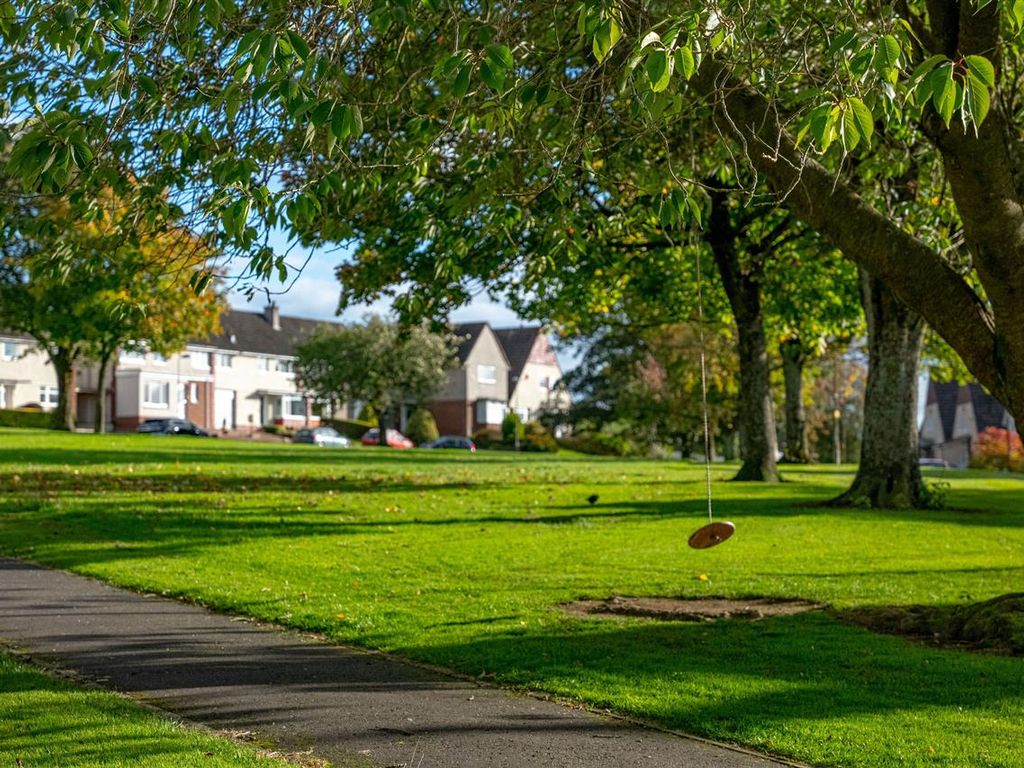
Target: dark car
[171, 427]
[321, 436]
[454, 442]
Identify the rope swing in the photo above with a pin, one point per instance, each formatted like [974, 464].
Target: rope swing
[713, 533]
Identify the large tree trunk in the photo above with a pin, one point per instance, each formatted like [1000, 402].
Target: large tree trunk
[63, 361]
[888, 475]
[796, 450]
[759, 444]
[101, 396]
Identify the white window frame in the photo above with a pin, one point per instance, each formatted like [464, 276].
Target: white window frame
[225, 360]
[490, 412]
[487, 374]
[286, 366]
[262, 363]
[9, 350]
[200, 361]
[287, 401]
[157, 358]
[49, 396]
[165, 387]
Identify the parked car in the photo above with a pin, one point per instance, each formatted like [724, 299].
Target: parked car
[171, 427]
[395, 438]
[454, 442]
[926, 462]
[321, 436]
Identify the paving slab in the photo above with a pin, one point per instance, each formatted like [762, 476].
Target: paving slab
[349, 706]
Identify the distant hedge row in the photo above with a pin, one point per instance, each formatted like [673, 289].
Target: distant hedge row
[26, 419]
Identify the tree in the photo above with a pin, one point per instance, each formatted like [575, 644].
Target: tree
[648, 381]
[99, 293]
[376, 363]
[244, 94]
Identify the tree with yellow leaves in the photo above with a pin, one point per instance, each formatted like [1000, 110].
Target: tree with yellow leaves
[83, 289]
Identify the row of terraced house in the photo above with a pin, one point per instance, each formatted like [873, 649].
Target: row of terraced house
[242, 379]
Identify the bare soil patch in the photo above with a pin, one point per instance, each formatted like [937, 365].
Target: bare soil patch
[689, 609]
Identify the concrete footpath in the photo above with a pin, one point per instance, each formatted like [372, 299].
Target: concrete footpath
[349, 706]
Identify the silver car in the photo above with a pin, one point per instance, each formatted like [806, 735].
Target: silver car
[321, 436]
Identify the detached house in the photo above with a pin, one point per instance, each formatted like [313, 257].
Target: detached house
[954, 416]
[499, 369]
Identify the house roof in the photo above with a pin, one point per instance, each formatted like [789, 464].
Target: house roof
[945, 395]
[469, 334]
[253, 332]
[988, 412]
[518, 344]
[16, 335]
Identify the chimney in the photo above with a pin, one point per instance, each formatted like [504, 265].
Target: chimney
[272, 315]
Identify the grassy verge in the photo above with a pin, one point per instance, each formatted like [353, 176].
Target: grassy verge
[460, 560]
[48, 722]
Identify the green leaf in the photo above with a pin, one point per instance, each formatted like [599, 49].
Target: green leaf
[500, 56]
[659, 70]
[863, 118]
[653, 37]
[495, 79]
[982, 69]
[685, 62]
[460, 86]
[848, 130]
[299, 46]
[887, 57]
[605, 38]
[943, 92]
[976, 100]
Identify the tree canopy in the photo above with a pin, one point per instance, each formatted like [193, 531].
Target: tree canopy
[490, 127]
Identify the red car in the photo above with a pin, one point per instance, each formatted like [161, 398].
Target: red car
[395, 438]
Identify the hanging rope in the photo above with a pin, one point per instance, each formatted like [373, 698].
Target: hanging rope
[704, 385]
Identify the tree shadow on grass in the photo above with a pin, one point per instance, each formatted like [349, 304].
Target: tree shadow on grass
[734, 679]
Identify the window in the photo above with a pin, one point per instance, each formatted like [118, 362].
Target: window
[10, 350]
[158, 359]
[224, 361]
[262, 363]
[545, 383]
[48, 396]
[486, 374]
[294, 406]
[200, 360]
[156, 393]
[286, 366]
[490, 411]
[193, 392]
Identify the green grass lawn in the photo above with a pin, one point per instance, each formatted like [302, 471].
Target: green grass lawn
[461, 560]
[48, 722]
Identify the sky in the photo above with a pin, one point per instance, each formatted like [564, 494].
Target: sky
[315, 295]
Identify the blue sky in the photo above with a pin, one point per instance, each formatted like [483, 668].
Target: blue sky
[315, 295]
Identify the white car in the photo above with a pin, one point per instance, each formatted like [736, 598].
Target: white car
[321, 436]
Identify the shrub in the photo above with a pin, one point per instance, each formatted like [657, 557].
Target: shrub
[278, 429]
[600, 444]
[511, 428]
[536, 439]
[421, 427]
[997, 448]
[486, 438]
[367, 413]
[26, 418]
[353, 429]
